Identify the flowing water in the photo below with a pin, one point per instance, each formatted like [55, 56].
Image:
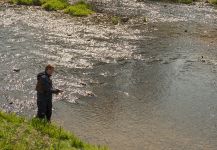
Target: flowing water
[133, 86]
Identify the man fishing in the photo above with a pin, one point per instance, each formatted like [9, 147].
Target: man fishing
[45, 90]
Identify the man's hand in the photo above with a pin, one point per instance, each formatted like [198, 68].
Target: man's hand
[58, 91]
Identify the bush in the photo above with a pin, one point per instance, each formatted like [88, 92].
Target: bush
[79, 9]
[50, 5]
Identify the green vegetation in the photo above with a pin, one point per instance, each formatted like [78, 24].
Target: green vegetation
[80, 8]
[26, 2]
[17, 133]
[185, 1]
[145, 19]
[115, 20]
[50, 5]
[213, 1]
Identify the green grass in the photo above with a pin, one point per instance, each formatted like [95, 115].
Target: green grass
[213, 1]
[115, 20]
[186, 1]
[51, 5]
[79, 9]
[17, 133]
[26, 2]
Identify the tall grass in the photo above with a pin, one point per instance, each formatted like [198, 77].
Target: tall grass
[18, 133]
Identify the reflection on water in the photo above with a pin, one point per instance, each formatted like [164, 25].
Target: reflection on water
[127, 87]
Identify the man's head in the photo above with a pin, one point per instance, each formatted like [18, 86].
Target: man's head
[49, 69]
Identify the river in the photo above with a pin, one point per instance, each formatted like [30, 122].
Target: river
[133, 86]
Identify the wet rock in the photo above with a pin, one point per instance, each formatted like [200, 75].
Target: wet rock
[83, 84]
[90, 94]
[16, 70]
[125, 19]
[165, 62]
[202, 59]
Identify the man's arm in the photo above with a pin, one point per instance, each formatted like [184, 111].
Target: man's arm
[49, 87]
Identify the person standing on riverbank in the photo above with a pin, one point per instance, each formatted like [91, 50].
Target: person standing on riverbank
[45, 90]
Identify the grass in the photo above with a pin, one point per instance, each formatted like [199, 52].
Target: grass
[115, 20]
[17, 133]
[51, 5]
[213, 1]
[185, 1]
[80, 8]
[26, 2]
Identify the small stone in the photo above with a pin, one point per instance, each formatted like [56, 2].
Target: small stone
[82, 83]
[11, 103]
[186, 30]
[16, 70]
[90, 94]
[125, 19]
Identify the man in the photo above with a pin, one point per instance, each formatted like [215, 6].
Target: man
[45, 90]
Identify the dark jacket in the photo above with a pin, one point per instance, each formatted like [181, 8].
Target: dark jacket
[44, 84]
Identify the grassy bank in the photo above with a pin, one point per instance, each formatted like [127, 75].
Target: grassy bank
[81, 8]
[17, 133]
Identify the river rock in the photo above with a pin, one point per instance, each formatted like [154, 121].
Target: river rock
[125, 19]
[90, 94]
[16, 70]
[69, 34]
